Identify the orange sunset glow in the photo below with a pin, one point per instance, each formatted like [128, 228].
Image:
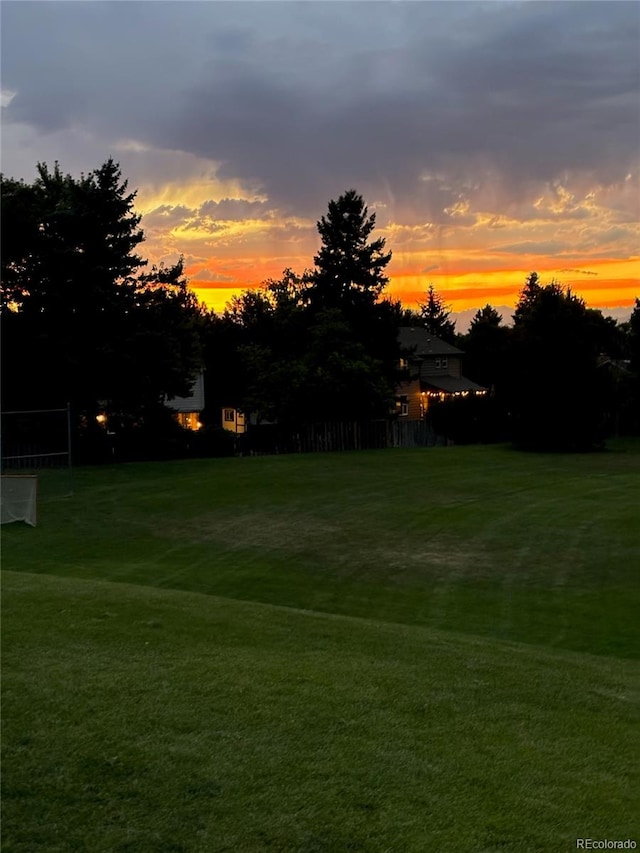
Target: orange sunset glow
[490, 139]
[485, 259]
[460, 290]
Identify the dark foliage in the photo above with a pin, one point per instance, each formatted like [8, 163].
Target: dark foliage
[321, 346]
[81, 323]
[474, 419]
[486, 347]
[435, 316]
[626, 376]
[556, 391]
[349, 268]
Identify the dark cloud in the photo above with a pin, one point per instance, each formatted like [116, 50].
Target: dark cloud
[211, 276]
[167, 216]
[236, 209]
[307, 99]
[529, 247]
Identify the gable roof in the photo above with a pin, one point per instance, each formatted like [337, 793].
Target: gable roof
[420, 342]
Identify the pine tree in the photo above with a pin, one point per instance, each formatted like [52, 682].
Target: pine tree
[528, 296]
[486, 317]
[76, 250]
[349, 270]
[435, 316]
[84, 324]
[485, 348]
[323, 346]
[555, 394]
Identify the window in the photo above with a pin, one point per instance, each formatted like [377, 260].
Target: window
[442, 361]
[402, 406]
[229, 415]
[404, 363]
[189, 420]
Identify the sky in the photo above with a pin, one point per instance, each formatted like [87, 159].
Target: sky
[490, 139]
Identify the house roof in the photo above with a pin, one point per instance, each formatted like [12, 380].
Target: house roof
[450, 384]
[421, 342]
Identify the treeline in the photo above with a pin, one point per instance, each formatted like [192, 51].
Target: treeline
[85, 320]
[319, 346]
[561, 376]
[323, 346]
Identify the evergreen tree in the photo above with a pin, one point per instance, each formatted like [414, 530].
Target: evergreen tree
[82, 324]
[632, 402]
[435, 316]
[528, 296]
[634, 337]
[343, 293]
[485, 348]
[322, 346]
[349, 269]
[68, 245]
[556, 393]
[484, 319]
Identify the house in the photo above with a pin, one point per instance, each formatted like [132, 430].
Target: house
[432, 369]
[188, 409]
[234, 420]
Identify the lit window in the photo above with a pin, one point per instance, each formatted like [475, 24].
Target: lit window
[404, 363]
[189, 420]
[402, 406]
[229, 415]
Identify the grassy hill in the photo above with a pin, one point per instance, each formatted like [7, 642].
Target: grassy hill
[534, 548]
[152, 720]
[385, 651]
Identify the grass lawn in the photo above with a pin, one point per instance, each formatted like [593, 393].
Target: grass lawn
[395, 651]
[534, 548]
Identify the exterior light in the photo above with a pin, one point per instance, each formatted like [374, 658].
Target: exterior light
[101, 418]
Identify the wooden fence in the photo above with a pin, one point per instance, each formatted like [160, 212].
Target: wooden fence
[337, 436]
[414, 433]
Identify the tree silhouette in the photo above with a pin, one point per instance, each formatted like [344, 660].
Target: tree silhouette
[349, 269]
[485, 347]
[80, 319]
[322, 345]
[556, 392]
[435, 316]
[528, 297]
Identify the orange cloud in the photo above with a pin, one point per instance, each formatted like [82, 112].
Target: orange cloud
[479, 256]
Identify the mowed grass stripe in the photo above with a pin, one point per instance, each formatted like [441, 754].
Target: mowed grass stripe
[534, 548]
[140, 719]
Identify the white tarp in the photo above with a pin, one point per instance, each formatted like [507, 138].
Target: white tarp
[18, 498]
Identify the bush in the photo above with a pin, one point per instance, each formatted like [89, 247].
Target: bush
[469, 420]
[212, 441]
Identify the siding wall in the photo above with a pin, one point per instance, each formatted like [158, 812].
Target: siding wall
[453, 368]
[193, 403]
[412, 391]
